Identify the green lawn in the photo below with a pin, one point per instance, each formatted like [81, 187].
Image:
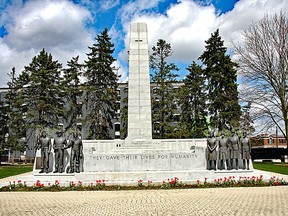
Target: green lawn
[281, 168]
[10, 170]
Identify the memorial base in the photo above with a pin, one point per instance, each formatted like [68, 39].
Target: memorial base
[121, 163]
[132, 178]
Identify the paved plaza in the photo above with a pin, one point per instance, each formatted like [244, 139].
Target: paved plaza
[218, 201]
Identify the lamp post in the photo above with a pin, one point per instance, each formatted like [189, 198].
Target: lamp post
[6, 140]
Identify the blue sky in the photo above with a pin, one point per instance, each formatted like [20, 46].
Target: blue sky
[65, 28]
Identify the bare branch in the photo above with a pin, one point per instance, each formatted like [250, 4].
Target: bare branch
[263, 61]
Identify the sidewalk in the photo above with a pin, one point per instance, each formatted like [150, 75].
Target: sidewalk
[217, 201]
[213, 201]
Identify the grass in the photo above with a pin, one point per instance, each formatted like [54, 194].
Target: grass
[281, 168]
[11, 170]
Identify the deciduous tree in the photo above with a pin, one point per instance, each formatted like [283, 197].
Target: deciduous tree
[263, 61]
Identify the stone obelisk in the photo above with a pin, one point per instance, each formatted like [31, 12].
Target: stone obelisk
[139, 100]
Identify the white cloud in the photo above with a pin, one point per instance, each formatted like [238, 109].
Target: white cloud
[121, 71]
[187, 24]
[57, 26]
[184, 26]
[244, 13]
[125, 14]
[134, 8]
[47, 23]
[108, 4]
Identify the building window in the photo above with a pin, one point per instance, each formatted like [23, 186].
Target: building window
[24, 110]
[155, 91]
[176, 88]
[118, 106]
[177, 103]
[270, 140]
[79, 128]
[176, 117]
[79, 109]
[155, 104]
[117, 130]
[118, 92]
[156, 127]
[117, 127]
[61, 126]
[117, 112]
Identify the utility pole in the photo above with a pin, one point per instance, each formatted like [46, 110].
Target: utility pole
[277, 140]
[286, 101]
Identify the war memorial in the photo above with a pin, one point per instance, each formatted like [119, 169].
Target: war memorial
[139, 156]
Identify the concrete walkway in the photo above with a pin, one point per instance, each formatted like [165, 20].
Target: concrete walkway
[218, 201]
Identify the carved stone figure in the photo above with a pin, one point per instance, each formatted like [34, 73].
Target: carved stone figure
[76, 152]
[44, 144]
[59, 145]
[233, 143]
[246, 150]
[223, 152]
[212, 154]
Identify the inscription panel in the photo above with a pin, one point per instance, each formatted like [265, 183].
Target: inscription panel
[143, 162]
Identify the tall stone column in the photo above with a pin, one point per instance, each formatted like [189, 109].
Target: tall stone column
[139, 100]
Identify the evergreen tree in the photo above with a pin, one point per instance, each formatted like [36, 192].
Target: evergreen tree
[14, 108]
[43, 94]
[220, 74]
[101, 87]
[163, 105]
[3, 128]
[73, 92]
[124, 115]
[193, 103]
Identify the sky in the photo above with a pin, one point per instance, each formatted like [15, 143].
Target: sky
[65, 28]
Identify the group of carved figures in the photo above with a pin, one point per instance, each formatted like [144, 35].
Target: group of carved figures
[230, 150]
[60, 143]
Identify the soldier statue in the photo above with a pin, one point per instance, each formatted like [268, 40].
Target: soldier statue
[233, 143]
[44, 143]
[59, 145]
[76, 152]
[246, 150]
[223, 152]
[212, 154]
